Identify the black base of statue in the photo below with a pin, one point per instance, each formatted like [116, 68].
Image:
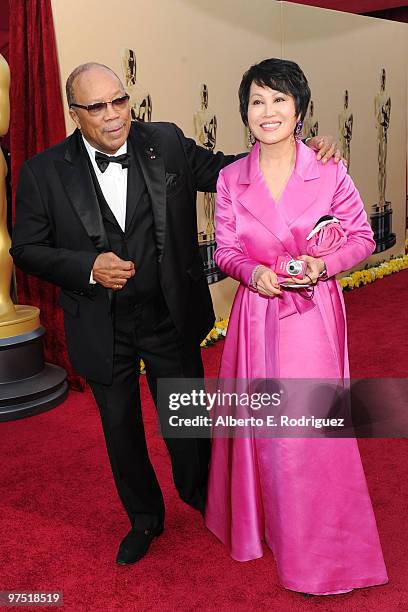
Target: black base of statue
[207, 246]
[381, 223]
[28, 386]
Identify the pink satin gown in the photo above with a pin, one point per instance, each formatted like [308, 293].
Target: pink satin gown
[307, 499]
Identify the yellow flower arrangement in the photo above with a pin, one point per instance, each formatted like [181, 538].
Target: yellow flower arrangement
[218, 331]
[360, 278]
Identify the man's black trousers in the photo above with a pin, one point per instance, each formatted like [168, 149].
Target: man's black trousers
[147, 332]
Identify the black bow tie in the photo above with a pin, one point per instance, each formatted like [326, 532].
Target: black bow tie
[103, 160]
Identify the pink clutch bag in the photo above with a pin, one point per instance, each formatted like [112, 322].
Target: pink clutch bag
[326, 237]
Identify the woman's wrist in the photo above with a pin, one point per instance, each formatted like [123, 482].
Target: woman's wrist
[252, 282]
[323, 270]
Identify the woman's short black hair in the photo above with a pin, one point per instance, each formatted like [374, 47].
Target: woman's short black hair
[282, 75]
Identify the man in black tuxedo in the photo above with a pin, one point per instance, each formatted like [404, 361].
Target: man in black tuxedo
[119, 236]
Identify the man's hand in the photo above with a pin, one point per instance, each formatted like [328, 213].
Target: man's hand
[266, 282]
[326, 147]
[111, 271]
[314, 267]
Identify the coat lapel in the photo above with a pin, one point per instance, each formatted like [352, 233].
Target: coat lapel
[146, 145]
[76, 177]
[255, 196]
[302, 191]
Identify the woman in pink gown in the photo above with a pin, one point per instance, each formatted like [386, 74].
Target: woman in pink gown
[306, 498]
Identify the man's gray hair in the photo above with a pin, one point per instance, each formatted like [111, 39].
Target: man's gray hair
[69, 87]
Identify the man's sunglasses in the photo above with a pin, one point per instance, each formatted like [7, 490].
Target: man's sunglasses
[99, 107]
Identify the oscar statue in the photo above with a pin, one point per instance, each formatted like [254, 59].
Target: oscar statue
[7, 310]
[205, 128]
[140, 99]
[27, 385]
[381, 219]
[310, 124]
[346, 130]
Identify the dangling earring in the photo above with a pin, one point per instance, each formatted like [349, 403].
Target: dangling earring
[251, 139]
[298, 129]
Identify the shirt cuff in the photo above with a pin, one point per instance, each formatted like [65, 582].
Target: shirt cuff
[91, 279]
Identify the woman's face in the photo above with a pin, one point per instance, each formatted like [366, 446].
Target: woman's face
[271, 114]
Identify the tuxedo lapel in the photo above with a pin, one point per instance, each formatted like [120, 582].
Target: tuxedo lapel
[146, 146]
[135, 185]
[77, 181]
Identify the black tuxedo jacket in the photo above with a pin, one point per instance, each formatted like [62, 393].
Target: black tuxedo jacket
[59, 232]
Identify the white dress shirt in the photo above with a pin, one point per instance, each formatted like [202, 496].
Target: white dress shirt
[113, 183]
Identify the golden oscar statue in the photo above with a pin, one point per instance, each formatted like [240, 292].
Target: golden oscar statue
[381, 219]
[7, 309]
[346, 130]
[27, 384]
[205, 127]
[140, 99]
[14, 320]
[382, 109]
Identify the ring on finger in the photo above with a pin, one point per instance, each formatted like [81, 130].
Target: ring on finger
[116, 286]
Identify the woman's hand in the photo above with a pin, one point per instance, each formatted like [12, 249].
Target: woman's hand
[266, 282]
[315, 266]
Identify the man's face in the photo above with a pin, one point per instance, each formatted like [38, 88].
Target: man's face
[108, 130]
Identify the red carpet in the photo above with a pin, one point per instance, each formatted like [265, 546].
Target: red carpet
[61, 521]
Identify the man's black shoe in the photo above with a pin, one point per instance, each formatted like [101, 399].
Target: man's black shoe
[136, 544]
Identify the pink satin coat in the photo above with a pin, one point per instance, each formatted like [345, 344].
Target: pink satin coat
[307, 498]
